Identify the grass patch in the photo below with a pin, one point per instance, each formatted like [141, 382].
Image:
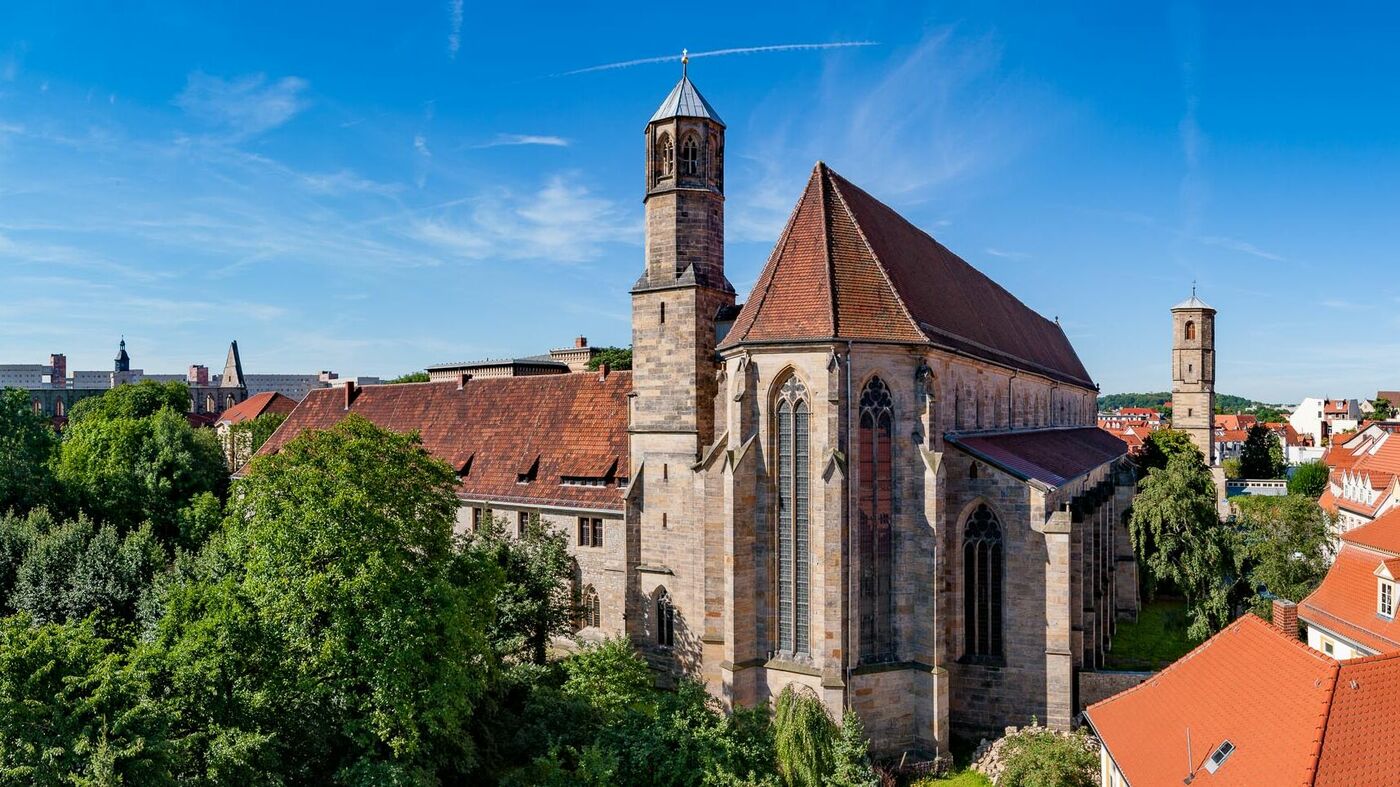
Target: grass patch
[960, 777]
[1157, 638]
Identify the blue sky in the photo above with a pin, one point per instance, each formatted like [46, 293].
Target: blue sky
[371, 191]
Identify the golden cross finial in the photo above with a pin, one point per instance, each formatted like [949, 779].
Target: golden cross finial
[685, 61]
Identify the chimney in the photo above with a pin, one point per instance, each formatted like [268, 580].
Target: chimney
[581, 342]
[59, 377]
[603, 370]
[462, 380]
[349, 393]
[1285, 615]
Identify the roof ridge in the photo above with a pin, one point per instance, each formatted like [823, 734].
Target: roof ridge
[1327, 700]
[822, 174]
[879, 264]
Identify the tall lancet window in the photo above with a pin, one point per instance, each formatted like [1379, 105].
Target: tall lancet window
[982, 565]
[666, 155]
[690, 156]
[794, 548]
[876, 498]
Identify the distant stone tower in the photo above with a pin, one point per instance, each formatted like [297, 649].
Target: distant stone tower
[122, 363]
[1193, 373]
[674, 367]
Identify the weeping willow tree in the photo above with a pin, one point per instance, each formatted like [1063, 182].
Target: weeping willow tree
[812, 750]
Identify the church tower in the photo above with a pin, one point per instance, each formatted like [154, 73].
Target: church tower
[675, 302]
[1193, 373]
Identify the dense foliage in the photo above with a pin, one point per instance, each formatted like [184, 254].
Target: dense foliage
[1282, 548]
[1041, 758]
[617, 358]
[1224, 403]
[1383, 409]
[246, 437]
[1309, 479]
[27, 447]
[1261, 456]
[1163, 444]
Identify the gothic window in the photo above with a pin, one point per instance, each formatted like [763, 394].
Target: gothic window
[58, 408]
[876, 496]
[590, 611]
[209, 403]
[666, 154]
[982, 568]
[794, 561]
[665, 619]
[690, 156]
[38, 407]
[228, 401]
[1190, 329]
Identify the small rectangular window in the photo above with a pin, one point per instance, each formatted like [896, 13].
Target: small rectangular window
[583, 532]
[476, 519]
[590, 531]
[522, 521]
[597, 532]
[1387, 605]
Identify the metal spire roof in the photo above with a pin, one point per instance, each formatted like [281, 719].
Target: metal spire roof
[685, 101]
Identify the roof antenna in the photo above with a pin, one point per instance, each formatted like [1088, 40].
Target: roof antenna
[1190, 761]
[685, 62]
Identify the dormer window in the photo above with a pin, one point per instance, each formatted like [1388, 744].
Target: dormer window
[1385, 602]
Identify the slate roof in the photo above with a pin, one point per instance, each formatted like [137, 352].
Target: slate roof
[256, 405]
[1193, 303]
[493, 431]
[1050, 456]
[685, 101]
[1295, 716]
[848, 267]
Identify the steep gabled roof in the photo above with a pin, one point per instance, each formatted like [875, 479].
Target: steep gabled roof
[256, 405]
[554, 427]
[848, 267]
[1345, 602]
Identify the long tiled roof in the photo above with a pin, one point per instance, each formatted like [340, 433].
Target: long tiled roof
[1295, 716]
[1345, 602]
[1051, 456]
[848, 267]
[494, 431]
[1381, 534]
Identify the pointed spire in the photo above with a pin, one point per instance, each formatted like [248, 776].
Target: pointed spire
[684, 100]
[233, 369]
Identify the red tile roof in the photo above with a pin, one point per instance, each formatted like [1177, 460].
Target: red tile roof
[1266, 693]
[1361, 747]
[1145, 411]
[1345, 602]
[848, 267]
[1234, 436]
[1381, 534]
[1051, 456]
[1235, 422]
[495, 429]
[256, 405]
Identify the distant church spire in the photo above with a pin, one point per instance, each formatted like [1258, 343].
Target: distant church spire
[233, 368]
[123, 361]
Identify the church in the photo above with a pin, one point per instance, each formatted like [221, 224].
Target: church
[878, 476]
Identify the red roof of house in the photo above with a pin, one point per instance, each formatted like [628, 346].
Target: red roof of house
[494, 431]
[1143, 411]
[1235, 422]
[1295, 716]
[1381, 534]
[256, 405]
[1328, 501]
[1345, 602]
[1266, 693]
[848, 267]
[1234, 436]
[1051, 456]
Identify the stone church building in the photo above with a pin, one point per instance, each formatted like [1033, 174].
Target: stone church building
[879, 476]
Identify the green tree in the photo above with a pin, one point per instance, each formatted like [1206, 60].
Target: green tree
[246, 437]
[17, 537]
[73, 711]
[410, 377]
[1181, 542]
[1231, 467]
[130, 456]
[804, 736]
[1161, 445]
[1262, 454]
[535, 602]
[1384, 410]
[851, 754]
[1041, 758]
[1283, 547]
[1309, 479]
[327, 619]
[617, 358]
[28, 444]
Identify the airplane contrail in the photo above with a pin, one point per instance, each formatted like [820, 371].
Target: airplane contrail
[745, 50]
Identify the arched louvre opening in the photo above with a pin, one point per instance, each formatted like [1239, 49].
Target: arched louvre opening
[590, 608]
[690, 156]
[794, 543]
[982, 585]
[876, 496]
[1190, 329]
[665, 620]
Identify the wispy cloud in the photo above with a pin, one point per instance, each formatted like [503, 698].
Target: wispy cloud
[244, 106]
[347, 182]
[1345, 305]
[454, 28]
[1007, 255]
[745, 50]
[502, 140]
[1243, 247]
[561, 222]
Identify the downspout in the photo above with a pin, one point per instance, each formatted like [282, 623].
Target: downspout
[850, 501]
